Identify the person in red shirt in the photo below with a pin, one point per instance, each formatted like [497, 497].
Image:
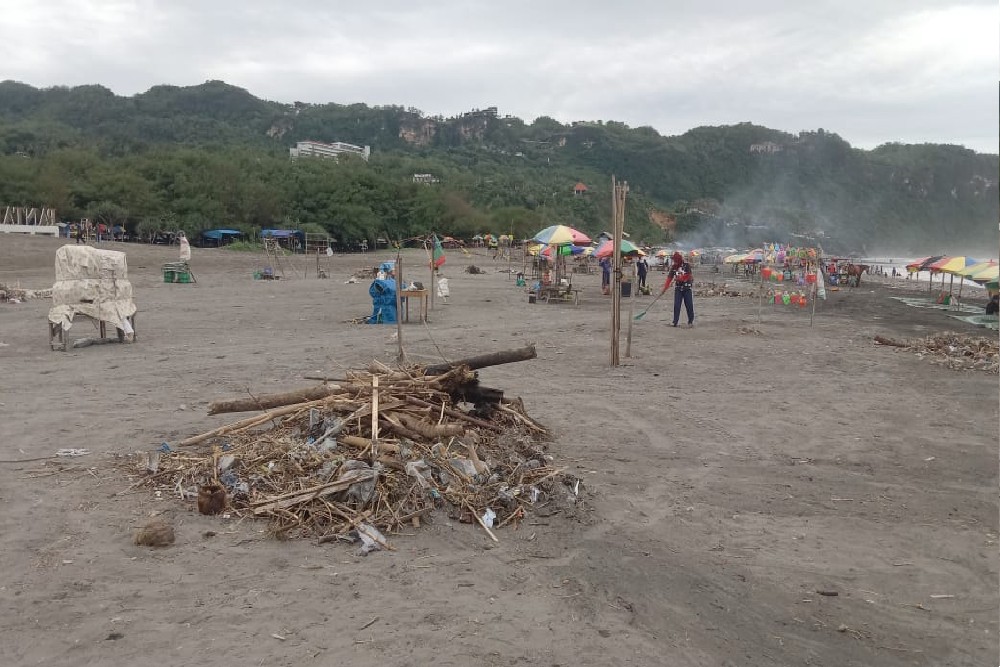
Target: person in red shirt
[683, 279]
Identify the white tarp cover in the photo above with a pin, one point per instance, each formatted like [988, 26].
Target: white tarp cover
[91, 282]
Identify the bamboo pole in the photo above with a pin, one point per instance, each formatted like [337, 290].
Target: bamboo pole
[615, 274]
[815, 291]
[430, 266]
[631, 310]
[400, 356]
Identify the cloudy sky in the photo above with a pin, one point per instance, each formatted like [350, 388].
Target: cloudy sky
[871, 70]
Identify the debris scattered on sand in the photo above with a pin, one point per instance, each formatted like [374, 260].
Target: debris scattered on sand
[17, 294]
[313, 468]
[749, 331]
[156, 533]
[956, 351]
[474, 270]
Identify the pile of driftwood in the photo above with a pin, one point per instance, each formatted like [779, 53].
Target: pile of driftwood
[373, 451]
[956, 351]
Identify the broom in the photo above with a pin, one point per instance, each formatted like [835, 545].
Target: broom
[643, 313]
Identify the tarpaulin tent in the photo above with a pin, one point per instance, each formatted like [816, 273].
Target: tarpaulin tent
[220, 236]
[287, 237]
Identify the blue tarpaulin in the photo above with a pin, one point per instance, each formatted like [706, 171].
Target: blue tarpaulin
[219, 234]
[282, 234]
[383, 293]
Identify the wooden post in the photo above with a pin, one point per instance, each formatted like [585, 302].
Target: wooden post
[815, 292]
[400, 356]
[430, 264]
[760, 298]
[510, 249]
[615, 276]
[631, 309]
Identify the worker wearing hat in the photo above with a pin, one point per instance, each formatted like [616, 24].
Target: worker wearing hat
[681, 276]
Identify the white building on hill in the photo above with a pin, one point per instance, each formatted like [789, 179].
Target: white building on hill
[334, 150]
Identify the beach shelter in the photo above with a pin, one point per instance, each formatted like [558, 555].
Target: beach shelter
[562, 235]
[952, 266]
[220, 236]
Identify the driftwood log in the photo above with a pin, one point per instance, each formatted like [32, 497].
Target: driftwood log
[269, 401]
[484, 360]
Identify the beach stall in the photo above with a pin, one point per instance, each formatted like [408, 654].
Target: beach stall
[94, 284]
[561, 241]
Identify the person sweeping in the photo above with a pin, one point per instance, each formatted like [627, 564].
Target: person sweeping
[681, 276]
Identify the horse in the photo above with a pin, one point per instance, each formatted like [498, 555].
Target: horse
[854, 272]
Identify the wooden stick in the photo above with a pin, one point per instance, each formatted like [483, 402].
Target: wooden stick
[400, 356]
[375, 415]
[293, 498]
[250, 422]
[268, 401]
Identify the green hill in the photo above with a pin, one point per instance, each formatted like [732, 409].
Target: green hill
[215, 155]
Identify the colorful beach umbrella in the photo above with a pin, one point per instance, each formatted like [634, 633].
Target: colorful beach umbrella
[986, 274]
[952, 264]
[972, 270]
[562, 235]
[563, 250]
[923, 263]
[607, 248]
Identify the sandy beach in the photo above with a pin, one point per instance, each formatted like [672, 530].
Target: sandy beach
[729, 478]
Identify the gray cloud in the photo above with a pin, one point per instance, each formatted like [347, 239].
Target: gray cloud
[895, 70]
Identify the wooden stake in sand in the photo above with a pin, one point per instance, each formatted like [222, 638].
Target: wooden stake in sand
[618, 191]
[631, 309]
[400, 356]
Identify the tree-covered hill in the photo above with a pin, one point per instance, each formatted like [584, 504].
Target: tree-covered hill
[214, 155]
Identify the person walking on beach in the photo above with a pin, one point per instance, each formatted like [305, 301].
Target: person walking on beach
[642, 267]
[605, 275]
[683, 279]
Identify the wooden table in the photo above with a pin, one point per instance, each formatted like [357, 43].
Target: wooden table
[422, 295]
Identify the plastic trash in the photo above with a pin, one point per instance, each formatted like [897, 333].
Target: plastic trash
[464, 466]
[72, 452]
[226, 462]
[165, 448]
[371, 539]
[488, 517]
[421, 472]
[360, 492]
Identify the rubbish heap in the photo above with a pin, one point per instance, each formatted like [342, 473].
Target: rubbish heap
[377, 451]
[956, 351]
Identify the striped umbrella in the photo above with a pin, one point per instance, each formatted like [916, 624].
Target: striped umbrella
[562, 235]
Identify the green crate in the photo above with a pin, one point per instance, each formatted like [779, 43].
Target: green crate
[168, 276]
[183, 276]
